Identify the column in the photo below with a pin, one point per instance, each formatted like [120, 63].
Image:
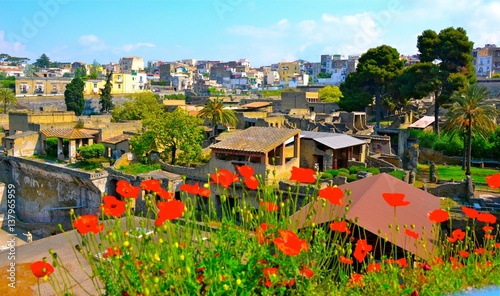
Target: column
[60, 153]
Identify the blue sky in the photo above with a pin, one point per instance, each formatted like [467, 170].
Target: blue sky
[263, 31]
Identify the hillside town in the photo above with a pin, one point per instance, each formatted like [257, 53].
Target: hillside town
[370, 123]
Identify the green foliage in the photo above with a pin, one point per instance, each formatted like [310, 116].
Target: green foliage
[174, 97]
[94, 70]
[324, 75]
[51, 147]
[91, 151]
[90, 164]
[215, 113]
[73, 96]
[352, 177]
[43, 61]
[496, 75]
[333, 173]
[7, 99]
[13, 61]
[106, 99]
[81, 72]
[330, 94]
[344, 170]
[398, 174]
[139, 168]
[139, 106]
[8, 82]
[326, 176]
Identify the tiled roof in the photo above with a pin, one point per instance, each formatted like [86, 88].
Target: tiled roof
[256, 105]
[89, 131]
[256, 139]
[332, 140]
[65, 133]
[117, 139]
[423, 122]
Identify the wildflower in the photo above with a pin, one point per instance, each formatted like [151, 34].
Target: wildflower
[205, 192]
[303, 175]
[340, 226]
[464, 254]
[126, 190]
[245, 171]
[373, 267]
[165, 194]
[260, 233]
[438, 216]
[289, 283]
[41, 269]
[191, 189]
[479, 251]
[487, 228]
[251, 182]
[493, 181]
[471, 213]
[289, 243]
[345, 260]
[489, 236]
[269, 206]
[113, 206]
[356, 280]
[112, 252]
[151, 185]
[411, 233]
[306, 272]
[169, 210]
[224, 178]
[270, 273]
[395, 199]
[456, 234]
[401, 262]
[426, 266]
[361, 250]
[497, 245]
[333, 194]
[88, 223]
[486, 218]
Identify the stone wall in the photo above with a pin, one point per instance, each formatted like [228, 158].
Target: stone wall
[430, 155]
[452, 189]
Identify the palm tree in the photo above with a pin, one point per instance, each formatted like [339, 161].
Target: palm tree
[214, 112]
[471, 115]
[7, 97]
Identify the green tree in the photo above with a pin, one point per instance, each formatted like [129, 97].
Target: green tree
[29, 70]
[451, 48]
[139, 106]
[43, 61]
[330, 94]
[81, 72]
[471, 115]
[173, 133]
[8, 98]
[214, 112]
[106, 99]
[376, 70]
[94, 70]
[73, 96]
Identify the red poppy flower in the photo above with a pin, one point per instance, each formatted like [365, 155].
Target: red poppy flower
[289, 243]
[438, 216]
[205, 192]
[401, 262]
[395, 199]
[151, 185]
[479, 251]
[489, 236]
[487, 228]
[269, 206]
[471, 213]
[464, 254]
[497, 245]
[41, 269]
[356, 280]
[493, 181]
[303, 175]
[251, 182]
[289, 283]
[260, 232]
[126, 190]
[268, 273]
[333, 194]
[487, 218]
[88, 223]
[169, 210]
[245, 171]
[191, 189]
[113, 206]
[224, 178]
[361, 250]
[165, 194]
[306, 272]
[456, 234]
[340, 226]
[411, 233]
[345, 260]
[110, 252]
[373, 267]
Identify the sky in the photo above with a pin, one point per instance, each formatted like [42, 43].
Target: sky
[262, 31]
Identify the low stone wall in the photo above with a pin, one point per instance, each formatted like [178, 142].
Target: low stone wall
[430, 155]
[452, 189]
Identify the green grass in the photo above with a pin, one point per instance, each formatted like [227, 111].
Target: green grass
[139, 168]
[448, 172]
[89, 164]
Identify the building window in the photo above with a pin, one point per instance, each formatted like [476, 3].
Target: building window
[95, 85]
[119, 86]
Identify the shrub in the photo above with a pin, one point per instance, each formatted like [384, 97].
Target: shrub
[398, 174]
[334, 173]
[91, 151]
[51, 147]
[326, 175]
[344, 170]
[374, 171]
[352, 177]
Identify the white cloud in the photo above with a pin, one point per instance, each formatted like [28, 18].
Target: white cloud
[11, 48]
[134, 46]
[92, 42]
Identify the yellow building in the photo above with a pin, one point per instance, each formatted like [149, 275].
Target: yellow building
[33, 86]
[288, 70]
[129, 83]
[93, 86]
